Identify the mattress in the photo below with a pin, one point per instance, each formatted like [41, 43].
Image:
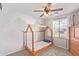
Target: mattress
[38, 45]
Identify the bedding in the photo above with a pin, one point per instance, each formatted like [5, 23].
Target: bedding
[38, 45]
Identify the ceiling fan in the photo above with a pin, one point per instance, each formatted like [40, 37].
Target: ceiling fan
[48, 9]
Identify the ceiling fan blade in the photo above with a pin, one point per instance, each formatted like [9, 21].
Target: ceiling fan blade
[59, 9]
[38, 10]
[41, 15]
[0, 6]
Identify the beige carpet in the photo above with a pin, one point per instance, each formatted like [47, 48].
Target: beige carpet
[52, 51]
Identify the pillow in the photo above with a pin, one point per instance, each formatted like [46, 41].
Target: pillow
[46, 40]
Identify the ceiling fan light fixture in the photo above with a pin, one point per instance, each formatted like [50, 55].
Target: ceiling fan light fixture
[47, 14]
[47, 11]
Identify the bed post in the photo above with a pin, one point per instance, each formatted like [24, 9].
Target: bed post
[52, 35]
[29, 26]
[26, 34]
[51, 32]
[33, 52]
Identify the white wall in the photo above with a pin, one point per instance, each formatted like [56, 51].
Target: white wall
[11, 36]
[11, 27]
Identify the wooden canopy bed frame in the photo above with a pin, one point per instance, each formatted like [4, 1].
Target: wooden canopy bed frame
[41, 45]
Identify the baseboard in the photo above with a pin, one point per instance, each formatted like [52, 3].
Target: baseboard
[18, 49]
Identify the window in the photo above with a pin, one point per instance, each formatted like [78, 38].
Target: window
[60, 28]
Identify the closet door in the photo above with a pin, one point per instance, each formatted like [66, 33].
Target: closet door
[56, 29]
[60, 33]
[56, 38]
[63, 33]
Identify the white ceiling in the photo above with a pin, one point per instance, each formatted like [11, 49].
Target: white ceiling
[27, 8]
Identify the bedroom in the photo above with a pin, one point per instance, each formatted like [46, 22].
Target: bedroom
[16, 17]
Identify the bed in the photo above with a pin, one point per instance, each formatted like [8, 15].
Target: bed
[38, 39]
